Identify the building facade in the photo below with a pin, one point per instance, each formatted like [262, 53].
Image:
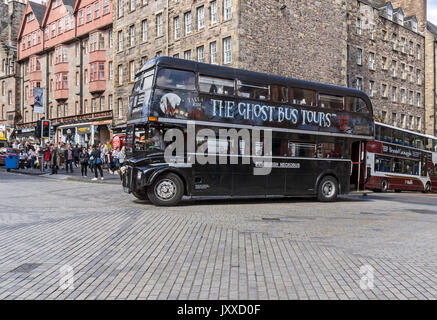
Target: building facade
[11, 13]
[430, 79]
[64, 47]
[386, 59]
[284, 38]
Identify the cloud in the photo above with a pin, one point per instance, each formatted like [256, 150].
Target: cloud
[432, 11]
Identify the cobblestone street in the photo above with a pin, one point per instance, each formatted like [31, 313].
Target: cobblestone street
[65, 239]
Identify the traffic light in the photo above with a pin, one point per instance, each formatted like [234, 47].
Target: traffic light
[46, 126]
[38, 129]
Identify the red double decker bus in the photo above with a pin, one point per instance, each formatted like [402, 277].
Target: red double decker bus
[400, 160]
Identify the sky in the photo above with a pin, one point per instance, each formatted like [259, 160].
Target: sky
[432, 10]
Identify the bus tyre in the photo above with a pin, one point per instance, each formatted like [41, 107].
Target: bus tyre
[167, 190]
[384, 185]
[427, 188]
[140, 194]
[328, 189]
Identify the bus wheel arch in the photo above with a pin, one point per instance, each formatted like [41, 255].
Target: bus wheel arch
[161, 172]
[328, 187]
[384, 185]
[167, 189]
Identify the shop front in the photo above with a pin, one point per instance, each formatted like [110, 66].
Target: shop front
[81, 134]
[102, 131]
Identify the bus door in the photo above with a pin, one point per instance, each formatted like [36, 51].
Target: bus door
[359, 173]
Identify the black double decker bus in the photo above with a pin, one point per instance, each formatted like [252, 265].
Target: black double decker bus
[304, 134]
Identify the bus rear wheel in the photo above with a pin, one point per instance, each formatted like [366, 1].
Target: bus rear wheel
[167, 190]
[384, 185]
[328, 189]
[427, 188]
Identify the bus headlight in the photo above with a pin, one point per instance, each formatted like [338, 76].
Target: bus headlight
[139, 174]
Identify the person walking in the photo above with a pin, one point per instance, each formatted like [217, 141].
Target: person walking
[91, 159]
[76, 153]
[84, 158]
[32, 157]
[47, 156]
[97, 162]
[68, 158]
[55, 159]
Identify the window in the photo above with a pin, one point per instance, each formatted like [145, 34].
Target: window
[403, 96]
[389, 12]
[216, 85]
[110, 102]
[411, 74]
[359, 28]
[213, 52]
[53, 31]
[359, 56]
[410, 48]
[120, 40]
[132, 36]
[120, 8]
[419, 126]
[402, 123]
[77, 78]
[302, 97]
[371, 88]
[159, 24]
[371, 31]
[177, 27]
[384, 63]
[144, 30]
[393, 94]
[85, 106]
[120, 74]
[80, 17]
[213, 12]
[96, 9]
[120, 108]
[102, 103]
[359, 83]
[418, 99]
[418, 76]
[200, 54]
[403, 45]
[414, 25]
[76, 107]
[355, 104]
[371, 61]
[10, 97]
[105, 6]
[418, 51]
[200, 18]
[88, 14]
[227, 9]
[384, 35]
[111, 39]
[394, 41]
[187, 19]
[227, 50]
[393, 118]
[252, 90]
[279, 93]
[403, 73]
[65, 110]
[93, 105]
[101, 71]
[187, 55]
[131, 71]
[85, 46]
[410, 98]
[330, 102]
[132, 5]
[393, 68]
[177, 79]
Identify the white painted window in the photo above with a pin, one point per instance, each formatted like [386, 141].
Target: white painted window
[371, 61]
[227, 9]
[120, 40]
[187, 55]
[159, 24]
[120, 108]
[177, 27]
[120, 74]
[227, 50]
[120, 8]
[200, 18]
[213, 12]
[213, 52]
[200, 54]
[187, 19]
[132, 35]
[144, 30]
[359, 56]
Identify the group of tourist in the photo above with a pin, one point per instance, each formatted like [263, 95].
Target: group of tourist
[67, 156]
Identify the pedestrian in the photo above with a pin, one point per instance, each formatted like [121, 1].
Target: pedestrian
[76, 153]
[55, 160]
[91, 161]
[84, 158]
[32, 157]
[97, 162]
[122, 156]
[46, 156]
[22, 159]
[68, 158]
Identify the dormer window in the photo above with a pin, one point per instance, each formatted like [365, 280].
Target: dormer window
[401, 17]
[414, 25]
[389, 11]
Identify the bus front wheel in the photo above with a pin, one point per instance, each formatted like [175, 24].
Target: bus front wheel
[328, 189]
[427, 188]
[167, 190]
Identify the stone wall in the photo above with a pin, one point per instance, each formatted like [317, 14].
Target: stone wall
[430, 84]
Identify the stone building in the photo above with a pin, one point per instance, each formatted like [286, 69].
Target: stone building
[64, 47]
[11, 13]
[386, 58]
[430, 79]
[286, 37]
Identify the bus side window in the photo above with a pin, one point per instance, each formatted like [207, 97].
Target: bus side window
[279, 93]
[355, 104]
[253, 90]
[303, 150]
[302, 97]
[177, 79]
[330, 102]
[216, 85]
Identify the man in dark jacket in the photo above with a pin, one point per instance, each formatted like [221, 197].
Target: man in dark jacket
[68, 158]
[76, 153]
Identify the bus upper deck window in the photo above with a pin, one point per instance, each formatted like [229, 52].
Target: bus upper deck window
[428, 144]
[253, 90]
[302, 97]
[279, 93]
[355, 104]
[331, 102]
[178, 79]
[216, 85]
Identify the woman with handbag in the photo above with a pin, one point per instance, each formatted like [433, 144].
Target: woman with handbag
[97, 162]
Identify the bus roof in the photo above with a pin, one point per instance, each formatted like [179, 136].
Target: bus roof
[405, 130]
[245, 75]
